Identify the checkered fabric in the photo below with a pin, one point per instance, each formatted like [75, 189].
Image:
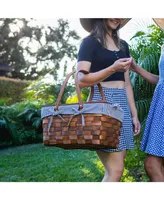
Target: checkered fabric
[153, 137]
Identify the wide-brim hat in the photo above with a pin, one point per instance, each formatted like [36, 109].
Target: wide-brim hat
[159, 22]
[87, 23]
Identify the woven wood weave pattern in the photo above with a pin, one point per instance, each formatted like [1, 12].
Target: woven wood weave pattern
[100, 131]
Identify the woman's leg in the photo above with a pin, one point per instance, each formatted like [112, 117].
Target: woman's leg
[114, 165]
[154, 168]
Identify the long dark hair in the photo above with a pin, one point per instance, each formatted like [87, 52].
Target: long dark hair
[100, 29]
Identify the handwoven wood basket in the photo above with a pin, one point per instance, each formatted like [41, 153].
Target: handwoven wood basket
[99, 131]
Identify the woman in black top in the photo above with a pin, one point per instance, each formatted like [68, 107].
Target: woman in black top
[107, 59]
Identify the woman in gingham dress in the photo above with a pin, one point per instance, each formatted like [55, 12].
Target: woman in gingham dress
[107, 59]
[153, 138]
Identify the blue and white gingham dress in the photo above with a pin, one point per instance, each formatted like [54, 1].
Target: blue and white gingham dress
[153, 138]
[115, 95]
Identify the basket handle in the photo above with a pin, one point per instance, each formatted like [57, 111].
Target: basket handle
[62, 90]
[92, 90]
[78, 90]
[101, 92]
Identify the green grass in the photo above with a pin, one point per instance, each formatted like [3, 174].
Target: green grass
[38, 163]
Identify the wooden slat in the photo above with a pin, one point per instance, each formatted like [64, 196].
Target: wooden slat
[99, 130]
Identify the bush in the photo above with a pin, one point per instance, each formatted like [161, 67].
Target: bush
[11, 89]
[74, 99]
[20, 124]
[47, 91]
[25, 136]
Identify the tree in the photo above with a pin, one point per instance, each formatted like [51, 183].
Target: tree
[31, 50]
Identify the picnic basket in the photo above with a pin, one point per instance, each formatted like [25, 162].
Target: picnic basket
[89, 125]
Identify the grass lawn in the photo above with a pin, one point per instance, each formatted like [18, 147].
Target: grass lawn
[38, 163]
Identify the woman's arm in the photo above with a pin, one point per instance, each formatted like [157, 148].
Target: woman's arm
[86, 80]
[151, 78]
[131, 102]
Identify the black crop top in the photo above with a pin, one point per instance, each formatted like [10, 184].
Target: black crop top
[92, 50]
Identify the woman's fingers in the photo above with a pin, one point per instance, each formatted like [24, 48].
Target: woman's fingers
[124, 59]
[137, 127]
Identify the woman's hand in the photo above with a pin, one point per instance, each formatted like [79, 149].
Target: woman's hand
[122, 65]
[133, 66]
[136, 125]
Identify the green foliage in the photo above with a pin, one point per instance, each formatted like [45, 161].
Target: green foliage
[140, 104]
[11, 90]
[40, 91]
[85, 92]
[156, 35]
[5, 101]
[138, 34]
[74, 99]
[25, 136]
[20, 123]
[146, 50]
[31, 114]
[46, 92]
[134, 163]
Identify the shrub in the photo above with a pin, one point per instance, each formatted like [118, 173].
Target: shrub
[47, 91]
[74, 99]
[20, 124]
[11, 89]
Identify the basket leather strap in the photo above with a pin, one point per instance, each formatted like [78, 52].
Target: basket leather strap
[92, 88]
[62, 90]
[101, 92]
[78, 90]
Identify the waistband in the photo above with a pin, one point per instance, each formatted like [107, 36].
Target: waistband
[115, 90]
